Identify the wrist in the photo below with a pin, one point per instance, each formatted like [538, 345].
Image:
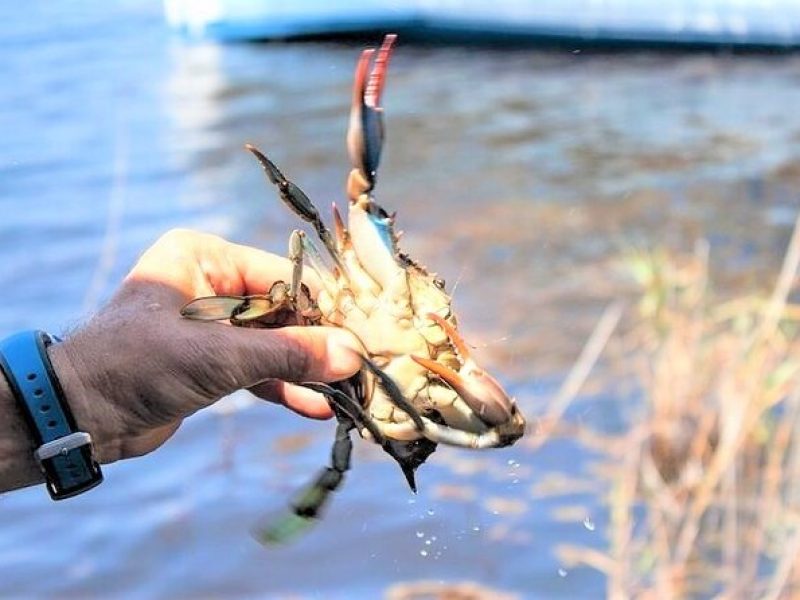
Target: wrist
[62, 452]
[90, 407]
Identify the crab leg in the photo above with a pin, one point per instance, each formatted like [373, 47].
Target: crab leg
[395, 395]
[347, 405]
[306, 507]
[412, 450]
[364, 287]
[221, 308]
[297, 201]
[371, 227]
[296, 257]
[494, 438]
[503, 435]
[308, 504]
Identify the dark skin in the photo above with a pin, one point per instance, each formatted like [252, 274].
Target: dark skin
[137, 368]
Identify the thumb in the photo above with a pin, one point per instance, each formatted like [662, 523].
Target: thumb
[299, 353]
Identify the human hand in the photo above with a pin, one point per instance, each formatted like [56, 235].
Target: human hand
[137, 369]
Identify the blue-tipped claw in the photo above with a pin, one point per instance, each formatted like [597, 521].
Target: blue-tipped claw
[366, 132]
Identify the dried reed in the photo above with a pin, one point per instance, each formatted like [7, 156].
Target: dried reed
[705, 498]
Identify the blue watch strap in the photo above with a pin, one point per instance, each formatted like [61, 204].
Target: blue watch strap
[63, 452]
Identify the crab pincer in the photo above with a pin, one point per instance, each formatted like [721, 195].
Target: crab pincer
[474, 385]
[366, 131]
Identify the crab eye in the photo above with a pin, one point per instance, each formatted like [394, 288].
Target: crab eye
[439, 282]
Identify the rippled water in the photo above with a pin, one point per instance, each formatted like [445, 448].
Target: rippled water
[517, 174]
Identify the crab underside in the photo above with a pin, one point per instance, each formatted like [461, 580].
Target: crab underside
[419, 385]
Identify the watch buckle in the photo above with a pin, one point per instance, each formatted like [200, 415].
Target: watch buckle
[62, 445]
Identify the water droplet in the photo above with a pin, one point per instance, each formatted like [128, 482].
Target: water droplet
[420, 534]
[433, 537]
[427, 542]
[515, 480]
[562, 572]
[510, 462]
[476, 528]
[589, 524]
[430, 512]
[423, 553]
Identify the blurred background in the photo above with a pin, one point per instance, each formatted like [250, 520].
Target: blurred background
[612, 217]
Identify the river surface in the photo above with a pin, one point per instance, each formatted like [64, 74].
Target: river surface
[518, 175]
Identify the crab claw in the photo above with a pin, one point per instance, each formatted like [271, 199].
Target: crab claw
[365, 133]
[482, 392]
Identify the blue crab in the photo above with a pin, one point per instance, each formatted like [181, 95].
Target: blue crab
[420, 385]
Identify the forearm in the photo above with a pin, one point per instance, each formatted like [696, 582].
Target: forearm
[18, 468]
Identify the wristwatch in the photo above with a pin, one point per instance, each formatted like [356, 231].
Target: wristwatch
[62, 451]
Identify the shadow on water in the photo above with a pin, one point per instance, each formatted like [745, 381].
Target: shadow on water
[442, 37]
[518, 175]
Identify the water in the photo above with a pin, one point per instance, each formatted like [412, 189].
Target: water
[516, 174]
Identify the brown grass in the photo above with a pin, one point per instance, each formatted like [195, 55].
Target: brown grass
[705, 486]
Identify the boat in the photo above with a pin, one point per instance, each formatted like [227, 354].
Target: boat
[734, 23]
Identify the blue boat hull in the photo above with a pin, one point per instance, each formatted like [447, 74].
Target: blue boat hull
[734, 23]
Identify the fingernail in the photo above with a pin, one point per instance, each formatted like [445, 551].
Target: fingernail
[344, 353]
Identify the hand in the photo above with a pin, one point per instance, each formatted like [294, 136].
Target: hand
[137, 369]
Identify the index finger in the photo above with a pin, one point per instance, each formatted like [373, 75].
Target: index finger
[202, 264]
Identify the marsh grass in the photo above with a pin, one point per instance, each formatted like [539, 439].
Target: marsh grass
[704, 496]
